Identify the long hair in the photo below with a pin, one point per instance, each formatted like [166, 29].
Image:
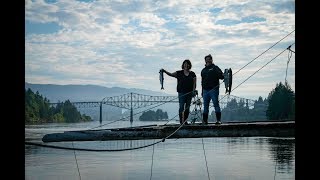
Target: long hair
[188, 62]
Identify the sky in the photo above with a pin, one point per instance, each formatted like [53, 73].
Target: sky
[124, 43]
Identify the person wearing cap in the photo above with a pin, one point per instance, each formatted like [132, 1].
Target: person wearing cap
[210, 76]
[186, 85]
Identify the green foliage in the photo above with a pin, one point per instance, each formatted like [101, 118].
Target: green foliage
[259, 110]
[240, 111]
[70, 112]
[153, 115]
[58, 118]
[281, 103]
[38, 110]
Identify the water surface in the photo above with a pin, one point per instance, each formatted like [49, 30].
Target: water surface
[234, 158]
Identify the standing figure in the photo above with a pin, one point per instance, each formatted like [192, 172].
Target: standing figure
[186, 85]
[210, 83]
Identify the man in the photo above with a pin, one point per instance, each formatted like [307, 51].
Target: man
[210, 76]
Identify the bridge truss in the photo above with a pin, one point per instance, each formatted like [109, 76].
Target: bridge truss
[132, 101]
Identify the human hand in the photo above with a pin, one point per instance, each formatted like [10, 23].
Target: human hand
[194, 93]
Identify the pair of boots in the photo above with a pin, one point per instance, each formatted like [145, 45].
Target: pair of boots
[183, 116]
[205, 118]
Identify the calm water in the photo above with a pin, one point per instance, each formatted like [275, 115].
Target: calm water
[241, 158]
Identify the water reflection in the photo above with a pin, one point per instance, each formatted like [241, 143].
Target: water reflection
[282, 150]
[283, 153]
[260, 158]
[31, 149]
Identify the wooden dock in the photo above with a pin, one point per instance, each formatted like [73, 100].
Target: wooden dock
[241, 129]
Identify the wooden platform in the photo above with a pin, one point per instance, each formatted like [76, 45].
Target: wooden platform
[267, 129]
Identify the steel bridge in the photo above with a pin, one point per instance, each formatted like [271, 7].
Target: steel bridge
[132, 101]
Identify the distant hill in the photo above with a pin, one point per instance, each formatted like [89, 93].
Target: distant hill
[57, 93]
[76, 93]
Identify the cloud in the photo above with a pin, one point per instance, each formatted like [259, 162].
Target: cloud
[125, 43]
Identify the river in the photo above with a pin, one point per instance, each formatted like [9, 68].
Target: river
[234, 158]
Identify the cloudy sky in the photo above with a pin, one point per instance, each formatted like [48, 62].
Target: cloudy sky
[124, 43]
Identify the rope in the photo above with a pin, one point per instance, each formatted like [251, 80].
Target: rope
[205, 158]
[265, 51]
[170, 119]
[103, 150]
[275, 171]
[175, 130]
[152, 162]
[74, 152]
[86, 149]
[258, 70]
[289, 57]
[99, 150]
[254, 60]
[140, 112]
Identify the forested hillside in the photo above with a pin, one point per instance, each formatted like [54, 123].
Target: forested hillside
[38, 110]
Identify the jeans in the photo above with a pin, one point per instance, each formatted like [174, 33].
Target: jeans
[184, 101]
[213, 95]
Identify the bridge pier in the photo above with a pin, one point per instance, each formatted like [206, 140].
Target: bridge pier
[100, 118]
[131, 111]
[131, 116]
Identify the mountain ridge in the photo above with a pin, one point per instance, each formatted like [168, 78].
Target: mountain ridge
[73, 92]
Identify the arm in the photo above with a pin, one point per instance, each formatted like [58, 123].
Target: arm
[220, 74]
[170, 74]
[194, 83]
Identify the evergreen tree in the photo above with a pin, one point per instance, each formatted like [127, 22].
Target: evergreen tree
[31, 107]
[148, 116]
[38, 110]
[259, 109]
[281, 102]
[165, 116]
[153, 115]
[70, 112]
[229, 112]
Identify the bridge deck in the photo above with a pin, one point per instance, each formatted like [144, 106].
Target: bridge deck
[267, 129]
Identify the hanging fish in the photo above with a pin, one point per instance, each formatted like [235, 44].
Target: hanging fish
[230, 80]
[227, 80]
[161, 78]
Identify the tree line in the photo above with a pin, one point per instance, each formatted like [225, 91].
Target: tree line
[279, 105]
[38, 110]
[153, 115]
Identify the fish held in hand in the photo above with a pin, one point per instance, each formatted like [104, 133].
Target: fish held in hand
[161, 78]
[227, 80]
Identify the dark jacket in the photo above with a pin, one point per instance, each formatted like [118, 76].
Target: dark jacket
[185, 83]
[210, 76]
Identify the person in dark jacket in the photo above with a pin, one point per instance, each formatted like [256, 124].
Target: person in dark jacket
[210, 76]
[186, 85]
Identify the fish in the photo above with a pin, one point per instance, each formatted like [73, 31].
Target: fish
[227, 80]
[230, 80]
[161, 78]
